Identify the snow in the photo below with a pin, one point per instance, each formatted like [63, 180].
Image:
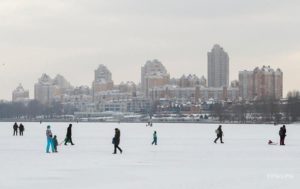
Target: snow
[186, 157]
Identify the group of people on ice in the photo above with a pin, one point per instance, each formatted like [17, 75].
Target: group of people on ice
[282, 135]
[116, 140]
[17, 127]
[52, 141]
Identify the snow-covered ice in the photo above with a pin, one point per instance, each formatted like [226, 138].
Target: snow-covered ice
[186, 157]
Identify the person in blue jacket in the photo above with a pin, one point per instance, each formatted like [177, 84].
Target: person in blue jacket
[49, 140]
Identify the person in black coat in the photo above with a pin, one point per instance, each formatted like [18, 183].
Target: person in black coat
[282, 134]
[55, 143]
[116, 141]
[21, 129]
[219, 133]
[69, 135]
[15, 127]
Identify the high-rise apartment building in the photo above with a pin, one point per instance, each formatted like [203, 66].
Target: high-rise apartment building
[102, 81]
[261, 83]
[278, 84]
[44, 90]
[153, 74]
[218, 67]
[47, 89]
[61, 82]
[102, 74]
[246, 84]
[20, 94]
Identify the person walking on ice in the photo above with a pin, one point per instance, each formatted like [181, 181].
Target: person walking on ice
[154, 138]
[15, 127]
[116, 141]
[49, 140]
[219, 133]
[69, 135]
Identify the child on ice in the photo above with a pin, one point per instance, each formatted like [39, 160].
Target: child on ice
[55, 143]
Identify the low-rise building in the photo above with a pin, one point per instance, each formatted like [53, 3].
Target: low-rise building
[194, 94]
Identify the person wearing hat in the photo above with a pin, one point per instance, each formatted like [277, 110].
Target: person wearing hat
[49, 139]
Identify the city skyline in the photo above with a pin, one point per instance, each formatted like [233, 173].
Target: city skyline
[73, 38]
[156, 83]
[111, 77]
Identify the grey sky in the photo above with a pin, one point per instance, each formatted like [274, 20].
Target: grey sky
[73, 37]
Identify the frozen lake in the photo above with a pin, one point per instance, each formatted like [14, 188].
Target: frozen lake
[185, 158]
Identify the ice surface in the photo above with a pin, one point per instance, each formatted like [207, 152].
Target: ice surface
[186, 157]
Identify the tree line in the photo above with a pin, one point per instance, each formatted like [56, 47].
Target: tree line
[33, 109]
[266, 110]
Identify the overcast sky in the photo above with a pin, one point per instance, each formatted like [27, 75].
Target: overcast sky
[72, 37]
